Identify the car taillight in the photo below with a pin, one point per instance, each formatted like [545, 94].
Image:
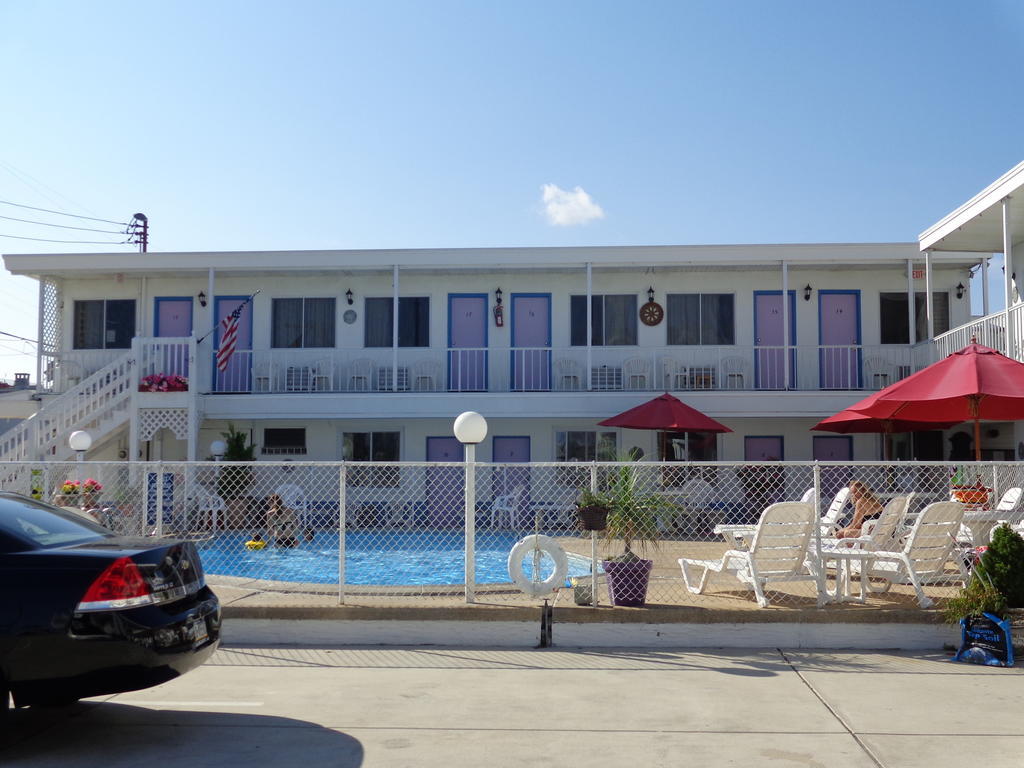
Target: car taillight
[121, 585]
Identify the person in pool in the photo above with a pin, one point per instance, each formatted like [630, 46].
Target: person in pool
[281, 523]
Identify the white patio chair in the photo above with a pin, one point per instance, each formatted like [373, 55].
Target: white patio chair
[425, 375]
[298, 378]
[808, 497]
[923, 560]
[734, 372]
[777, 554]
[570, 375]
[979, 523]
[878, 373]
[323, 375]
[505, 507]
[636, 373]
[673, 373]
[294, 498]
[360, 375]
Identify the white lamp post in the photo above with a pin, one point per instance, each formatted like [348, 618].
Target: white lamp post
[470, 429]
[80, 441]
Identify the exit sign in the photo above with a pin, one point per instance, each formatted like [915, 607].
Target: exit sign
[918, 274]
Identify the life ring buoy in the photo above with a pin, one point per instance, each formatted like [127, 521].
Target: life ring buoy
[537, 543]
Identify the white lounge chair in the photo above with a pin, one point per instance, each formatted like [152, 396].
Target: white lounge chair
[834, 513]
[778, 553]
[922, 560]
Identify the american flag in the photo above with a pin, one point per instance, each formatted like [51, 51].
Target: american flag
[229, 337]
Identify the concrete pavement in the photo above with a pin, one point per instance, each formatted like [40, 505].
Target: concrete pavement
[435, 706]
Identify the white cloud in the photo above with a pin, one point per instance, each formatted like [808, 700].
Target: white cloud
[568, 209]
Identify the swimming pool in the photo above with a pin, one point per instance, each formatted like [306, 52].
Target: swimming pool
[390, 558]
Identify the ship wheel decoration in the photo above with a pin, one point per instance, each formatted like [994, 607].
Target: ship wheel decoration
[652, 312]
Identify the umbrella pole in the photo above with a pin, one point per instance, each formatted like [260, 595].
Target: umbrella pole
[977, 440]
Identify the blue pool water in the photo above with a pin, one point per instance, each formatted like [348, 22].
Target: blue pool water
[373, 557]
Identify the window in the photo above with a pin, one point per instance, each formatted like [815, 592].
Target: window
[613, 320]
[893, 316]
[280, 442]
[302, 323]
[104, 324]
[585, 446]
[371, 446]
[413, 322]
[700, 318]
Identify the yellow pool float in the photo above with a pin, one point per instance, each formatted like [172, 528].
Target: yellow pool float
[255, 544]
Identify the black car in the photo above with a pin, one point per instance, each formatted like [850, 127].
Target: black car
[86, 612]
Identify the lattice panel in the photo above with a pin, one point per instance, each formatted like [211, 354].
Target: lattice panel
[151, 420]
[50, 338]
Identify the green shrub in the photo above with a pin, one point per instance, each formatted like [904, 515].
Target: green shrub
[1003, 563]
[234, 481]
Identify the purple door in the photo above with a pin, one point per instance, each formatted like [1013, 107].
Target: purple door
[769, 340]
[531, 342]
[835, 448]
[767, 448]
[173, 318]
[445, 485]
[237, 375]
[467, 342]
[507, 480]
[839, 334]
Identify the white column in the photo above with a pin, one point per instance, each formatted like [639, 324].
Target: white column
[1011, 347]
[786, 341]
[984, 287]
[211, 321]
[911, 308]
[41, 345]
[590, 312]
[928, 293]
[394, 329]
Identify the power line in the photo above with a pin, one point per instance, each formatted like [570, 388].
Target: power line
[61, 213]
[63, 226]
[19, 338]
[46, 240]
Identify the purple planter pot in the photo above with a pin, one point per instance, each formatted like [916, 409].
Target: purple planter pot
[627, 582]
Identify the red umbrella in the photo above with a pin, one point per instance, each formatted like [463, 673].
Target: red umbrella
[667, 414]
[973, 384]
[848, 422]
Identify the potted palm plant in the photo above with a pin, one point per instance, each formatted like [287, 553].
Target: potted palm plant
[636, 518]
[234, 480]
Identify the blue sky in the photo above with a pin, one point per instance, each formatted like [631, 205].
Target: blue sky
[239, 126]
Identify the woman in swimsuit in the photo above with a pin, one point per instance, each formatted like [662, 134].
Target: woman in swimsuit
[866, 506]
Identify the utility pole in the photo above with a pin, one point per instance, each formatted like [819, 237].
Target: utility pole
[138, 232]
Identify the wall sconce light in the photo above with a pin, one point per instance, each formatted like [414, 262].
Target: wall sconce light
[960, 290]
[202, 299]
[807, 292]
[650, 293]
[497, 296]
[348, 295]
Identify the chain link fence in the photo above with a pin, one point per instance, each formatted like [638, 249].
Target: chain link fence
[383, 532]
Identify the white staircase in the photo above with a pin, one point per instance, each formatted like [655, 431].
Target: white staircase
[99, 404]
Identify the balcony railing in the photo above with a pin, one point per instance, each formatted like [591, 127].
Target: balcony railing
[541, 369]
